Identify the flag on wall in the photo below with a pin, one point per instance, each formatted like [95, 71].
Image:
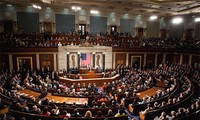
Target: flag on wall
[85, 59]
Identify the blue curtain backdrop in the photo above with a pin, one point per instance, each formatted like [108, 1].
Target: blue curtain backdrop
[176, 31]
[98, 24]
[28, 22]
[127, 26]
[65, 23]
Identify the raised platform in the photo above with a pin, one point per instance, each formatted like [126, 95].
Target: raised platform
[89, 75]
[98, 81]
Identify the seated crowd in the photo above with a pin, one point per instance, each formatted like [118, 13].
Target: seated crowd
[131, 82]
[185, 100]
[72, 38]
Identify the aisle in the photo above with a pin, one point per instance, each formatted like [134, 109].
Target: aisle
[149, 92]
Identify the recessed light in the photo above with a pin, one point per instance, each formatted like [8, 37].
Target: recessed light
[76, 8]
[197, 19]
[153, 17]
[177, 20]
[36, 6]
[94, 11]
[9, 5]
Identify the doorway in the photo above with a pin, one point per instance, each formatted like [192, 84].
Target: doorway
[82, 31]
[113, 29]
[47, 27]
[8, 26]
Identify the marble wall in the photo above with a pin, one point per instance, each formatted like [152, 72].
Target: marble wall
[77, 50]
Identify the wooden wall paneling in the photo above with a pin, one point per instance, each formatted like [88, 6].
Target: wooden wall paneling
[47, 26]
[8, 26]
[140, 32]
[169, 58]
[189, 33]
[120, 59]
[195, 61]
[15, 56]
[176, 58]
[46, 60]
[159, 59]
[163, 33]
[150, 60]
[141, 55]
[4, 62]
[185, 59]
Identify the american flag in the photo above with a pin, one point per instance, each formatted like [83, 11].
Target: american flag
[86, 59]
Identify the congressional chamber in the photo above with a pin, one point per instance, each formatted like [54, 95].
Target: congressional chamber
[99, 60]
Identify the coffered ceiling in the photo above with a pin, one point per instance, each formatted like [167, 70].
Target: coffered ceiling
[132, 7]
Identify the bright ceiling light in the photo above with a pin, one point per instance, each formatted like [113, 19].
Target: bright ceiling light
[36, 6]
[73, 8]
[94, 11]
[153, 17]
[177, 20]
[197, 19]
[9, 5]
[39, 7]
[76, 8]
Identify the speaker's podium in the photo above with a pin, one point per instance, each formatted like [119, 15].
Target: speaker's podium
[83, 71]
[91, 73]
[87, 71]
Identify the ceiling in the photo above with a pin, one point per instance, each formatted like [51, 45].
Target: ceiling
[132, 7]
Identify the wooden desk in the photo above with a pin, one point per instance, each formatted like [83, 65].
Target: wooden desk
[85, 76]
[98, 81]
[86, 70]
[58, 99]
[68, 100]
[83, 71]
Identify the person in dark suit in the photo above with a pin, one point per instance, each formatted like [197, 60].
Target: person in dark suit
[76, 113]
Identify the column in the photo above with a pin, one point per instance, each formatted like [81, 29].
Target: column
[164, 57]
[114, 60]
[37, 61]
[127, 57]
[10, 61]
[55, 62]
[156, 59]
[145, 57]
[67, 61]
[190, 60]
[181, 58]
[93, 59]
[79, 56]
[104, 61]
